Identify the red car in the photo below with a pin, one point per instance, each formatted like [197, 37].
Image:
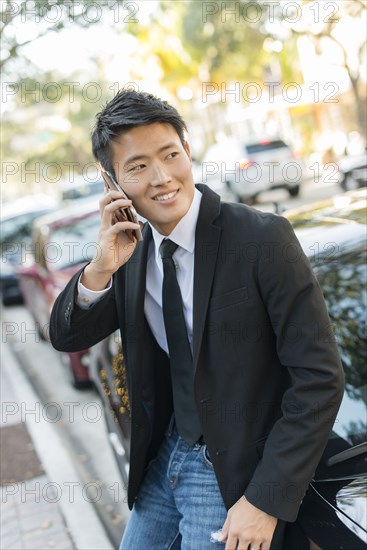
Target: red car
[62, 242]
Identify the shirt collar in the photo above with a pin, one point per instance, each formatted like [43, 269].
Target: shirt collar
[184, 232]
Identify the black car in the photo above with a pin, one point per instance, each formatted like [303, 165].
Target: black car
[334, 510]
[333, 235]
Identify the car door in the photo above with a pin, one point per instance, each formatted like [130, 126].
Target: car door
[334, 510]
[35, 282]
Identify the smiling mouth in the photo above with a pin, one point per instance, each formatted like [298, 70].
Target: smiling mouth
[166, 196]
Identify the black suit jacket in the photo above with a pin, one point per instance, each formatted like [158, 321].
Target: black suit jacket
[268, 379]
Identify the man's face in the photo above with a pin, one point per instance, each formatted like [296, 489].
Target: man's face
[154, 169]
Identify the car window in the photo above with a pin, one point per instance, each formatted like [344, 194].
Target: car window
[265, 146]
[16, 228]
[344, 283]
[73, 243]
[16, 236]
[82, 191]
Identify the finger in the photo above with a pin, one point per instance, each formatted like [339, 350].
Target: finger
[231, 543]
[110, 196]
[224, 532]
[113, 194]
[119, 216]
[266, 544]
[112, 209]
[103, 201]
[116, 203]
[245, 543]
[119, 227]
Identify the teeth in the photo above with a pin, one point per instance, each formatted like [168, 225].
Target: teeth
[165, 197]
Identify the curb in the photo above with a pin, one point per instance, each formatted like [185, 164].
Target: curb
[79, 514]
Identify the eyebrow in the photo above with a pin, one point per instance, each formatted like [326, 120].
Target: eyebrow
[141, 157]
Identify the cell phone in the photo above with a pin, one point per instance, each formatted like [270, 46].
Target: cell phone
[129, 211]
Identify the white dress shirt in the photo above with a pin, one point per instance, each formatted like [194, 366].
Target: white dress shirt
[184, 236]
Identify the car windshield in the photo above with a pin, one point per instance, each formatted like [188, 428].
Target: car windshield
[73, 243]
[344, 284]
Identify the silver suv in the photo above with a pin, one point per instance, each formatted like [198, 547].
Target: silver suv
[249, 169]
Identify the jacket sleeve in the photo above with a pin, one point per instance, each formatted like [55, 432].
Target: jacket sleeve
[306, 347]
[73, 328]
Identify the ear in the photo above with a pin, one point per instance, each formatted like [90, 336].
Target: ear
[187, 149]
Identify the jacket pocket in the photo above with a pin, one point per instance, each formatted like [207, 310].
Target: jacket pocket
[229, 298]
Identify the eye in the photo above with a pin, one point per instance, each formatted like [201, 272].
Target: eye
[172, 155]
[136, 167]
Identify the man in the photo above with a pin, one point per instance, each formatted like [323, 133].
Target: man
[227, 433]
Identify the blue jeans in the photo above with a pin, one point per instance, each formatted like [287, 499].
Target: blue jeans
[179, 503]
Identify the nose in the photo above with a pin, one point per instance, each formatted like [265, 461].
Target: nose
[160, 175]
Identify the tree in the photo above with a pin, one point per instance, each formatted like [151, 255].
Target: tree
[47, 118]
[39, 17]
[323, 26]
[225, 46]
[196, 51]
[50, 141]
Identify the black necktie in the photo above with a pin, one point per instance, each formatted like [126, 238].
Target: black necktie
[186, 416]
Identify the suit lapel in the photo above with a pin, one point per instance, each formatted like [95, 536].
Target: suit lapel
[136, 269]
[207, 238]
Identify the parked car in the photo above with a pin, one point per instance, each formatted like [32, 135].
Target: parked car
[333, 513]
[15, 238]
[353, 171]
[62, 243]
[199, 171]
[81, 188]
[333, 235]
[248, 169]
[107, 371]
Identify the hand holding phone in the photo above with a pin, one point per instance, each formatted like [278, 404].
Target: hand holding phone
[128, 213]
[117, 241]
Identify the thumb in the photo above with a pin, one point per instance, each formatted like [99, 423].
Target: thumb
[224, 532]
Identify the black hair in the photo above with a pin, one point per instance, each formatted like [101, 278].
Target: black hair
[127, 110]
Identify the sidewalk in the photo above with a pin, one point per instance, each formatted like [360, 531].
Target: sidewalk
[42, 504]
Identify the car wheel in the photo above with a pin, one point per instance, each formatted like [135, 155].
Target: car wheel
[77, 383]
[294, 191]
